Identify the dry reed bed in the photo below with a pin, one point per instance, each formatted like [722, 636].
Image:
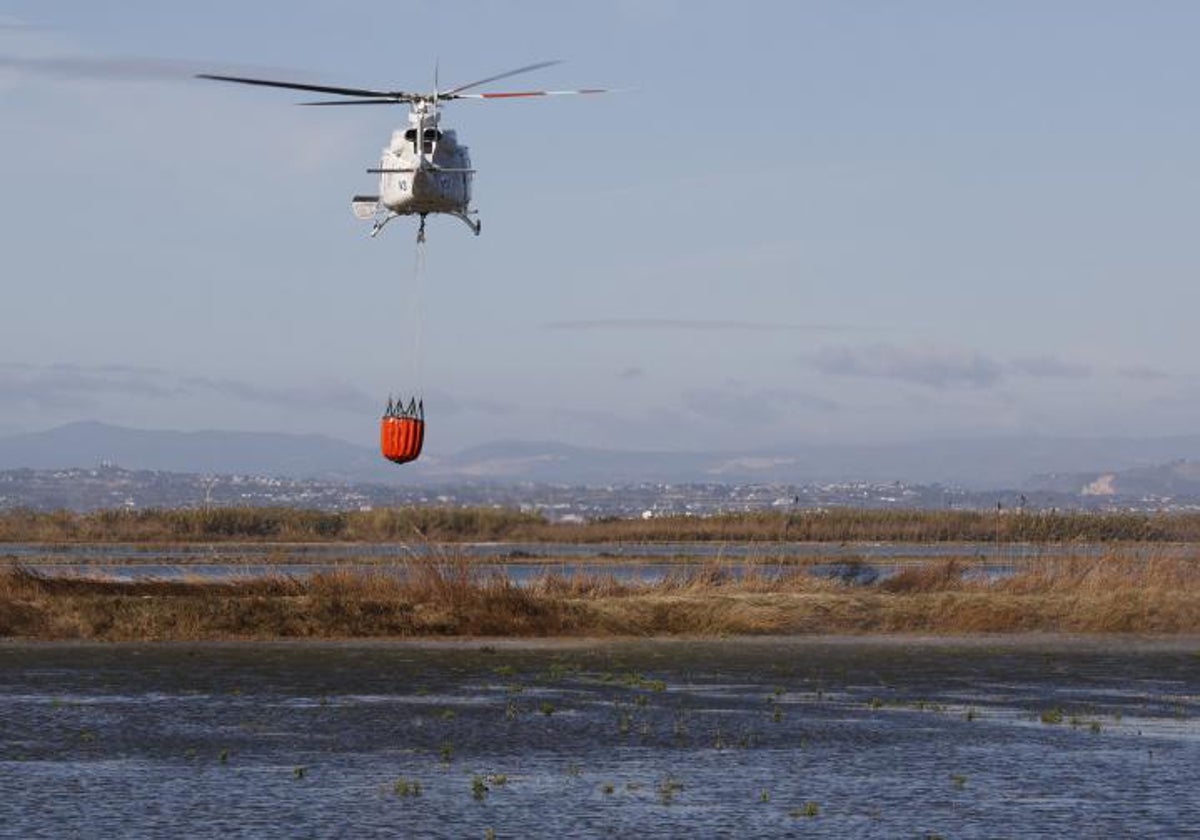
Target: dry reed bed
[448, 597]
[248, 524]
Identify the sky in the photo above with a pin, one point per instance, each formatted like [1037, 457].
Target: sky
[796, 222]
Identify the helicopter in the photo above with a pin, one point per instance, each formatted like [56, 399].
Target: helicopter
[424, 169]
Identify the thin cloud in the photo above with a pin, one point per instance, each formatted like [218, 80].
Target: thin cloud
[736, 404]
[1144, 374]
[121, 68]
[67, 385]
[322, 394]
[699, 325]
[63, 386]
[934, 367]
[1050, 367]
[632, 372]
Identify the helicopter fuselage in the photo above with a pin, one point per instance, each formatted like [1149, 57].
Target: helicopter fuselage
[429, 174]
[423, 170]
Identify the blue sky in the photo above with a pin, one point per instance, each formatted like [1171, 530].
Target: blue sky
[803, 222]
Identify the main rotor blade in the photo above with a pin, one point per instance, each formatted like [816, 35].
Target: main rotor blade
[497, 78]
[516, 94]
[340, 91]
[395, 100]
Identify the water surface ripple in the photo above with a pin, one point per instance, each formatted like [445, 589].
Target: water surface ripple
[1002, 737]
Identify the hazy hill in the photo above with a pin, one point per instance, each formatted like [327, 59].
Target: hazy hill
[1176, 479]
[977, 464]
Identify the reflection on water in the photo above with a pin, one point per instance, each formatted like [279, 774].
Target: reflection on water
[765, 737]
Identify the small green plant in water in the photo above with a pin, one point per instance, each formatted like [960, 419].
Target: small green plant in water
[546, 708]
[300, 772]
[808, 809]
[607, 788]
[224, 756]
[668, 788]
[971, 714]
[1095, 726]
[446, 752]
[1052, 716]
[876, 703]
[958, 780]
[479, 788]
[448, 714]
[406, 787]
[764, 796]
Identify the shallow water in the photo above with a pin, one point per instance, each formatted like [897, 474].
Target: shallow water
[521, 573]
[884, 738]
[859, 563]
[330, 552]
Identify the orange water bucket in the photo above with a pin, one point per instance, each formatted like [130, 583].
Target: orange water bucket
[400, 438]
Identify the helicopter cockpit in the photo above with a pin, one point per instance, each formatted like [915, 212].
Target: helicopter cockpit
[430, 137]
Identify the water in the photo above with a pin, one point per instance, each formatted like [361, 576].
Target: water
[507, 551]
[520, 573]
[862, 563]
[892, 738]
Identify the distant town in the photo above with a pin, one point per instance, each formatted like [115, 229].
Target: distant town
[112, 487]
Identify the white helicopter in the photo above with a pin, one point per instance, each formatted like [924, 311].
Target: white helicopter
[424, 169]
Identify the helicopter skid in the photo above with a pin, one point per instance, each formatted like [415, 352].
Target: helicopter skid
[474, 224]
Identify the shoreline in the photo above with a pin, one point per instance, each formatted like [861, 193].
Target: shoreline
[1099, 643]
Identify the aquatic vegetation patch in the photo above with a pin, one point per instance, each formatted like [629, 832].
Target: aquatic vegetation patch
[668, 788]
[1052, 716]
[405, 788]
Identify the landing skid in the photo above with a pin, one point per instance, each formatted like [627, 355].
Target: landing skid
[474, 224]
[379, 223]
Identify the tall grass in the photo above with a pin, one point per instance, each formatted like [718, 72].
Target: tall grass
[448, 596]
[475, 524]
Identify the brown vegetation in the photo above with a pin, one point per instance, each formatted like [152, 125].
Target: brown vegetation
[448, 597]
[237, 524]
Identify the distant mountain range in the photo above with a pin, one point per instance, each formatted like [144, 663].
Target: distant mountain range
[1017, 462]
